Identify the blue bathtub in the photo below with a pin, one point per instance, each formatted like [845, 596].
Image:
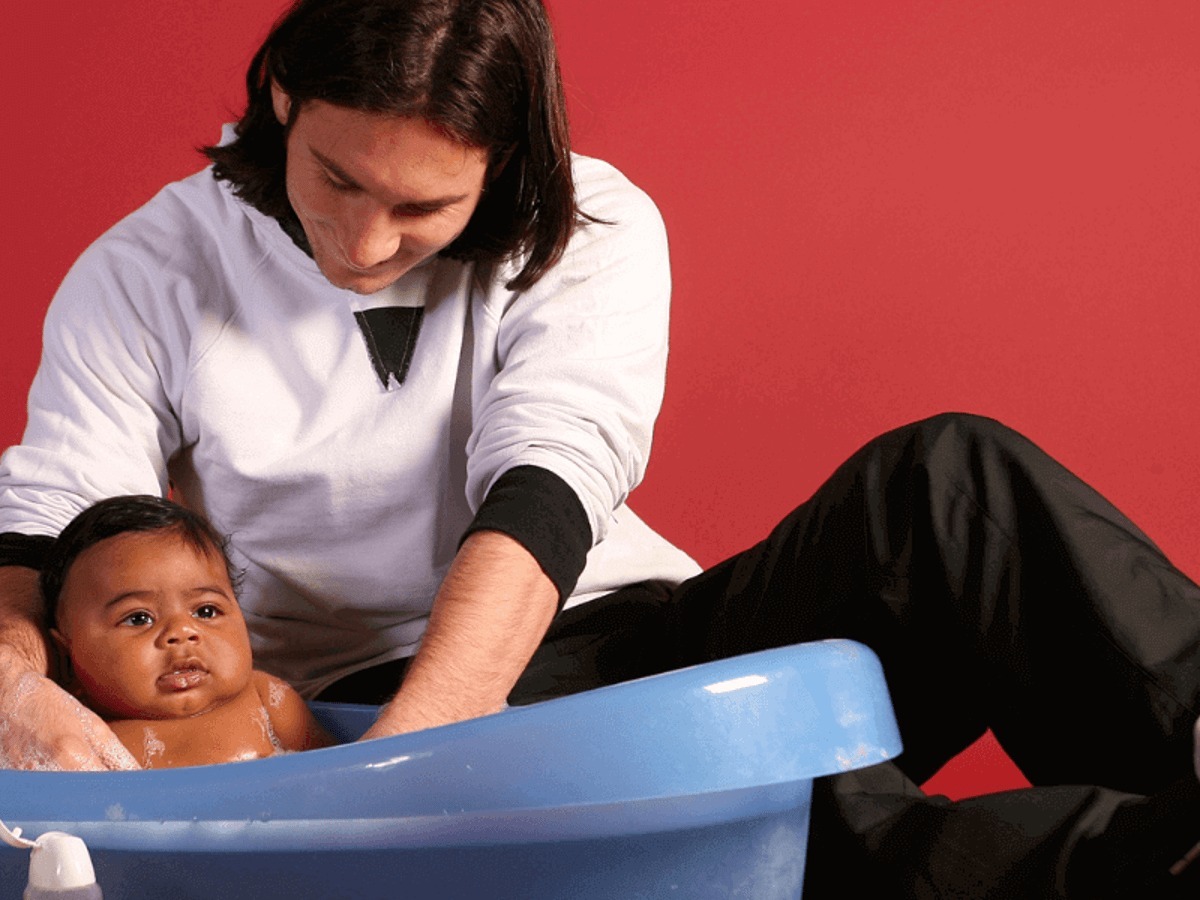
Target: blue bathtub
[691, 784]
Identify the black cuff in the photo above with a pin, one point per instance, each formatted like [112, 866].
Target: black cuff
[538, 510]
[24, 550]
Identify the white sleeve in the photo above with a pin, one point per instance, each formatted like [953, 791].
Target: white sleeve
[582, 356]
[100, 422]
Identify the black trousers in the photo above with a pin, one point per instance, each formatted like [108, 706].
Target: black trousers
[999, 591]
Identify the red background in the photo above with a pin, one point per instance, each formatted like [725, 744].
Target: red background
[878, 210]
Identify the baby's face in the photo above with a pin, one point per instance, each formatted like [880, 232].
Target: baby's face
[153, 628]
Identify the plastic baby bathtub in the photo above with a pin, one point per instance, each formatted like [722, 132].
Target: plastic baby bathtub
[690, 784]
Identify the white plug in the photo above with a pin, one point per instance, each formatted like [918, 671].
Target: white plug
[59, 866]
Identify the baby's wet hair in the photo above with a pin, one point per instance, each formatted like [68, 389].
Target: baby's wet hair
[123, 515]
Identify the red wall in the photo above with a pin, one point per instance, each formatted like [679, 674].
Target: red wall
[878, 210]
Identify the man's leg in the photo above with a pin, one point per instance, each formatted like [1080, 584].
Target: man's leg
[619, 637]
[876, 834]
[999, 591]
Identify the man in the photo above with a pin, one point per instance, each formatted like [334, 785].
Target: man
[398, 341]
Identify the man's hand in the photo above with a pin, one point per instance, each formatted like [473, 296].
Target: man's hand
[490, 614]
[43, 727]
[1192, 856]
[1196, 747]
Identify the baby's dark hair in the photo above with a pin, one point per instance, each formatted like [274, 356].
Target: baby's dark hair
[120, 515]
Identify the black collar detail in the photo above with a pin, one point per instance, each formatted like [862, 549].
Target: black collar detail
[391, 336]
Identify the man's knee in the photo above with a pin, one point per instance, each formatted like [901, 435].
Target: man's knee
[966, 427]
[967, 436]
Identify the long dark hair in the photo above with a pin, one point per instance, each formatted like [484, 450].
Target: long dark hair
[485, 71]
[120, 515]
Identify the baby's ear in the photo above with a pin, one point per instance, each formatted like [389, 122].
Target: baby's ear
[60, 648]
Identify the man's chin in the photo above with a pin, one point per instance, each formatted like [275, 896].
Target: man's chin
[362, 282]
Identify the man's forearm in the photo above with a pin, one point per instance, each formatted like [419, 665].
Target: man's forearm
[22, 630]
[489, 616]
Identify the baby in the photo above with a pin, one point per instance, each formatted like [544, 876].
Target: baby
[140, 597]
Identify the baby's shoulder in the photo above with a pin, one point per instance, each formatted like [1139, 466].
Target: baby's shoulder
[136, 735]
[292, 722]
[271, 691]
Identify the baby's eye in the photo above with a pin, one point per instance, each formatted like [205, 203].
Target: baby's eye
[138, 619]
[207, 611]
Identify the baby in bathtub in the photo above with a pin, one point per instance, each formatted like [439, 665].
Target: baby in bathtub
[140, 596]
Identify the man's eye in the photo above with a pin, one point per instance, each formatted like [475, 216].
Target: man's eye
[340, 186]
[207, 611]
[418, 212]
[138, 619]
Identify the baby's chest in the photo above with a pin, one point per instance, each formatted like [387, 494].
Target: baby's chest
[225, 735]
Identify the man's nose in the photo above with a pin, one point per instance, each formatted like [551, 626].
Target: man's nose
[371, 237]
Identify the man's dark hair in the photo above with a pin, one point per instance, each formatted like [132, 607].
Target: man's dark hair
[121, 515]
[483, 71]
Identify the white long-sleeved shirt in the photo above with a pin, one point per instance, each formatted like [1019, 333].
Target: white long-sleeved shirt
[194, 344]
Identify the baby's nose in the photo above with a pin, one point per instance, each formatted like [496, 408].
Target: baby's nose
[179, 632]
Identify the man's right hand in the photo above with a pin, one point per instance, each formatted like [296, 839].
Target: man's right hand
[43, 727]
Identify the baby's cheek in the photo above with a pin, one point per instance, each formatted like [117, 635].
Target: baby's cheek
[106, 697]
[233, 651]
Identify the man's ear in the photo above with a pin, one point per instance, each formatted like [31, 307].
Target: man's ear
[500, 160]
[281, 103]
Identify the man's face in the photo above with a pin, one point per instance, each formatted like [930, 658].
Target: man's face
[376, 194]
[153, 628]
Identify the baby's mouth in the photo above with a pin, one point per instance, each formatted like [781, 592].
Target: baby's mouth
[183, 676]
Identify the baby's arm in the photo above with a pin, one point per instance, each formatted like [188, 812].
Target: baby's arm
[291, 719]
